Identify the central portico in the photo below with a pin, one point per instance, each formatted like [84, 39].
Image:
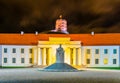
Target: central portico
[47, 51]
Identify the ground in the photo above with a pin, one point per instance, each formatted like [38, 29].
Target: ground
[34, 75]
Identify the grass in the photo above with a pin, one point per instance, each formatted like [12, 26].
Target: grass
[112, 68]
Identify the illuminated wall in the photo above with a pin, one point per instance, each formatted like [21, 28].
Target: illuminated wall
[95, 56]
[17, 55]
[47, 51]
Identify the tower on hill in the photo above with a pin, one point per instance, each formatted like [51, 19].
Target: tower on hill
[61, 26]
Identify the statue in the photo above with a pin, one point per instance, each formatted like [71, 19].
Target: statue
[59, 55]
[59, 65]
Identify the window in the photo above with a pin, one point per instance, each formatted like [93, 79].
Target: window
[5, 60]
[88, 61]
[96, 51]
[114, 61]
[13, 60]
[30, 60]
[22, 50]
[22, 60]
[31, 50]
[105, 61]
[114, 51]
[13, 50]
[88, 51]
[5, 50]
[105, 51]
[96, 61]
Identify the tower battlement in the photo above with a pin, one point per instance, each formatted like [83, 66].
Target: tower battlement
[61, 25]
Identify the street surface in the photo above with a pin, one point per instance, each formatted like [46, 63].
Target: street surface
[34, 75]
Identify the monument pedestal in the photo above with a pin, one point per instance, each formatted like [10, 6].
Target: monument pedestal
[59, 65]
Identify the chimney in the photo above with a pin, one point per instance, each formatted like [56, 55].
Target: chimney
[92, 33]
[36, 32]
[22, 33]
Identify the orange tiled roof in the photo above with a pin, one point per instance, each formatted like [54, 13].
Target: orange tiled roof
[86, 39]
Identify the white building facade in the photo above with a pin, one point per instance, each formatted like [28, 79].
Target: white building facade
[42, 51]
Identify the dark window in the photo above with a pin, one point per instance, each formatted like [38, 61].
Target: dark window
[14, 50]
[105, 51]
[114, 51]
[30, 60]
[22, 50]
[96, 51]
[88, 61]
[96, 61]
[31, 50]
[88, 51]
[114, 61]
[5, 60]
[13, 60]
[22, 60]
[5, 50]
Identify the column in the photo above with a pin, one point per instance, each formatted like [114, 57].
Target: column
[74, 56]
[44, 56]
[79, 56]
[50, 56]
[47, 56]
[69, 56]
[39, 56]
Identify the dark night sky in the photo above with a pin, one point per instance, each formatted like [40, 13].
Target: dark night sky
[83, 16]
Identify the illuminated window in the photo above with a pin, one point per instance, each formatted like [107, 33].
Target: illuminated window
[5, 60]
[96, 51]
[88, 51]
[96, 61]
[5, 50]
[114, 61]
[105, 61]
[88, 61]
[105, 51]
[13, 50]
[22, 60]
[31, 50]
[114, 51]
[13, 60]
[22, 50]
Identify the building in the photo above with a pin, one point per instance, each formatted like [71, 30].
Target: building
[91, 50]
